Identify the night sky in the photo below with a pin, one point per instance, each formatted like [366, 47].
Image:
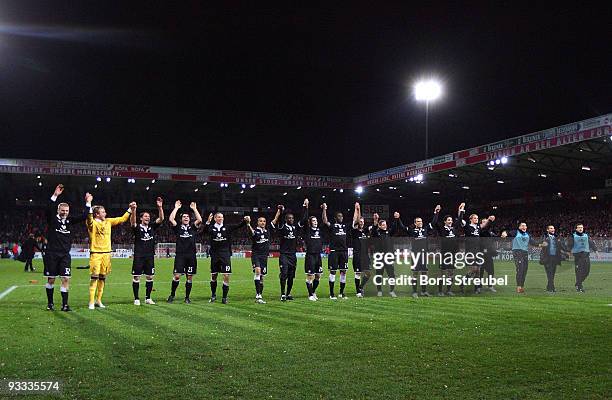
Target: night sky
[308, 90]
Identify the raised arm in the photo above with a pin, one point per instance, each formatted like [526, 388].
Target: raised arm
[324, 215]
[196, 213]
[133, 222]
[356, 215]
[461, 213]
[488, 222]
[279, 210]
[125, 217]
[398, 225]
[160, 210]
[304, 219]
[172, 217]
[52, 209]
[89, 208]
[247, 220]
[434, 220]
[374, 228]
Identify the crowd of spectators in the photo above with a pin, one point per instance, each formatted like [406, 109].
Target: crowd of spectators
[16, 225]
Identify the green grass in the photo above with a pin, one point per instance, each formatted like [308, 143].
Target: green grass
[500, 345]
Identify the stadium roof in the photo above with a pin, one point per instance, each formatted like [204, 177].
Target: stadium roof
[572, 157]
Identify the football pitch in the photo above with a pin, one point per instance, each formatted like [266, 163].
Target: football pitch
[502, 346]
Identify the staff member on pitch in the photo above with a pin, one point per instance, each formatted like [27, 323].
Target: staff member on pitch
[550, 257]
[520, 252]
[581, 246]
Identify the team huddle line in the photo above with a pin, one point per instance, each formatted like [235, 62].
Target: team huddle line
[187, 226]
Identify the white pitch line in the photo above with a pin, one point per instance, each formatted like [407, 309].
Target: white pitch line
[7, 291]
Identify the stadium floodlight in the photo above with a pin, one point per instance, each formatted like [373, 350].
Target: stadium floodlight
[427, 91]
[359, 189]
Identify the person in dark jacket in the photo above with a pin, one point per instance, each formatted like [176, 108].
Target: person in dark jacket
[550, 257]
[28, 248]
[581, 246]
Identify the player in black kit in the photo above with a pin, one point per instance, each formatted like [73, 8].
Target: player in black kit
[448, 230]
[418, 233]
[338, 251]
[382, 244]
[144, 250]
[57, 260]
[220, 252]
[288, 246]
[185, 261]
[260, 250]
[472, 232]
[361, 264]
[314, 246]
